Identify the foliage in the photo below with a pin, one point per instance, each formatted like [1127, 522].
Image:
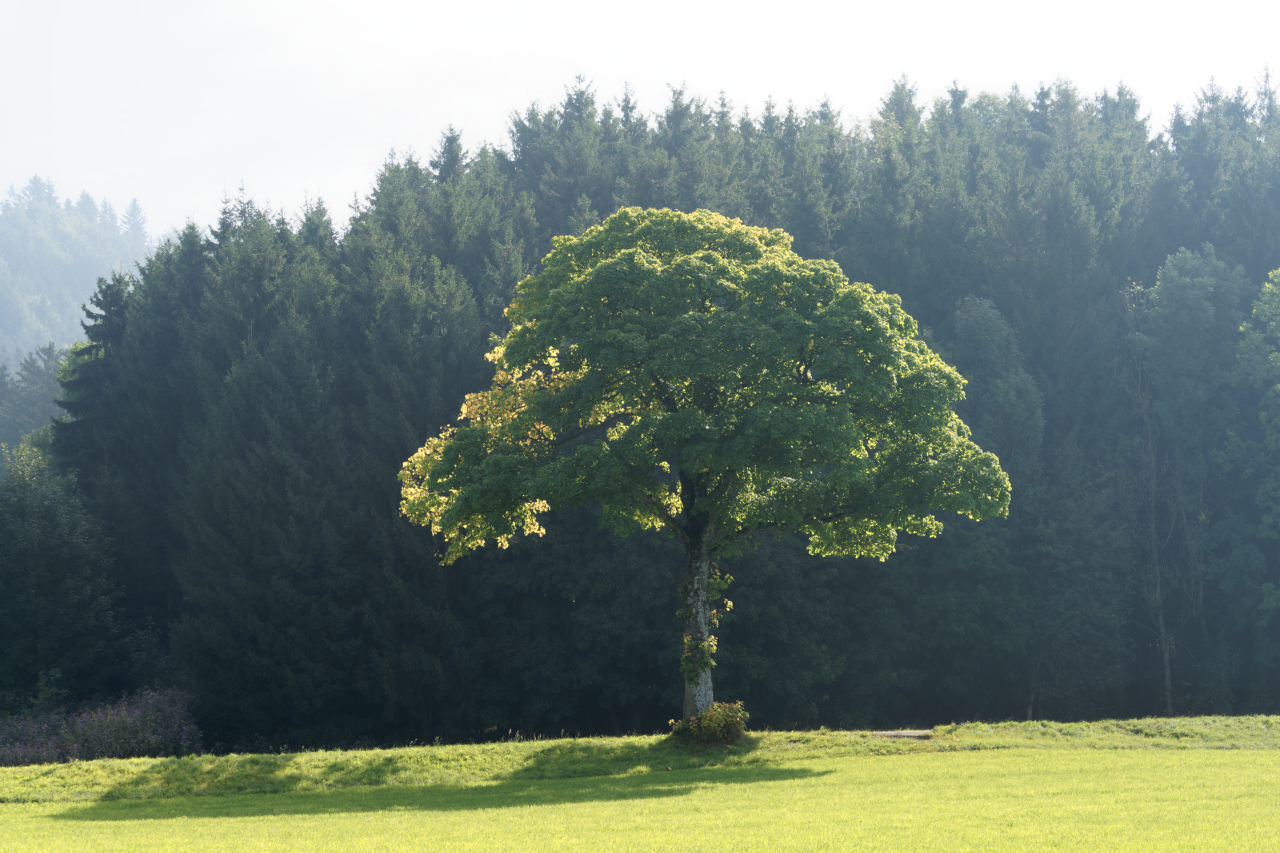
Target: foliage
[59, 634]
[1183, 344]
[143, 723]
[695, 376]
[242, 402]
[251, 486]
[27, 397]
[660, 336]
[50, 254]
[723, 722]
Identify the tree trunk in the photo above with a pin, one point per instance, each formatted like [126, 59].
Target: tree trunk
[1031, 694]
[699, 642]
[1166, 645]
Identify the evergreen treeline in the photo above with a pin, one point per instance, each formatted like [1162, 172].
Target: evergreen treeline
[243, 403]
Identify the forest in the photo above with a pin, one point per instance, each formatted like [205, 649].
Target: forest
[212, 503]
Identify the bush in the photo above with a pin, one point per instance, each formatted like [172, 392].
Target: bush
[142, 724]
[723, 722]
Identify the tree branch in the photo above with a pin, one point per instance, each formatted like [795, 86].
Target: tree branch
[610, 421]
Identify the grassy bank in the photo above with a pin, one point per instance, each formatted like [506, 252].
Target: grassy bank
[462, 766]
[1010, 799]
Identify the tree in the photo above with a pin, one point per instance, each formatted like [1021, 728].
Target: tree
[1182, 348]
[50, 256]
[58, 629]
[28, 397]
[134, 228]
[127, 393]
[694, 375]
[310, 609]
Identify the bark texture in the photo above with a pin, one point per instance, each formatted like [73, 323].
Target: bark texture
[699, 641]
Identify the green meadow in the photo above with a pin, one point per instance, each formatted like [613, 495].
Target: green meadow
[1184, 784]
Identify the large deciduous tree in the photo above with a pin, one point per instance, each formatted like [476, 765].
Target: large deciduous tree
[694, 375]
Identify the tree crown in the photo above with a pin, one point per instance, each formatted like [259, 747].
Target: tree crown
[693, 374]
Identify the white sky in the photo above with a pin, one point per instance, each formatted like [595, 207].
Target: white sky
[177, 104]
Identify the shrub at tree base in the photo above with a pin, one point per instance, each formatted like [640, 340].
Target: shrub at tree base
[147, 723]
[723, 722]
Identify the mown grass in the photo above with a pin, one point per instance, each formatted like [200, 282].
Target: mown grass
[1184, 784]
[475, 764]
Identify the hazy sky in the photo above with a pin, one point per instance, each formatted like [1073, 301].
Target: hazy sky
[177, 104]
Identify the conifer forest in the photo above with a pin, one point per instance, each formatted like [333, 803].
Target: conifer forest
[202, 476]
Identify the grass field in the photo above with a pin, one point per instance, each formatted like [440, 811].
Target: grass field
[1186, 784]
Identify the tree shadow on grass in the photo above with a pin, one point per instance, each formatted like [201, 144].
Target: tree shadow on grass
[568, 759]
[499, 795]
[563, 772]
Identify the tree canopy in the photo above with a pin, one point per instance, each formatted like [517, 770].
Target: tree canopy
[694, 375]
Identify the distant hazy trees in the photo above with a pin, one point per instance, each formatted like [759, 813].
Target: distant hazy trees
[28, 394]
[51, 252]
